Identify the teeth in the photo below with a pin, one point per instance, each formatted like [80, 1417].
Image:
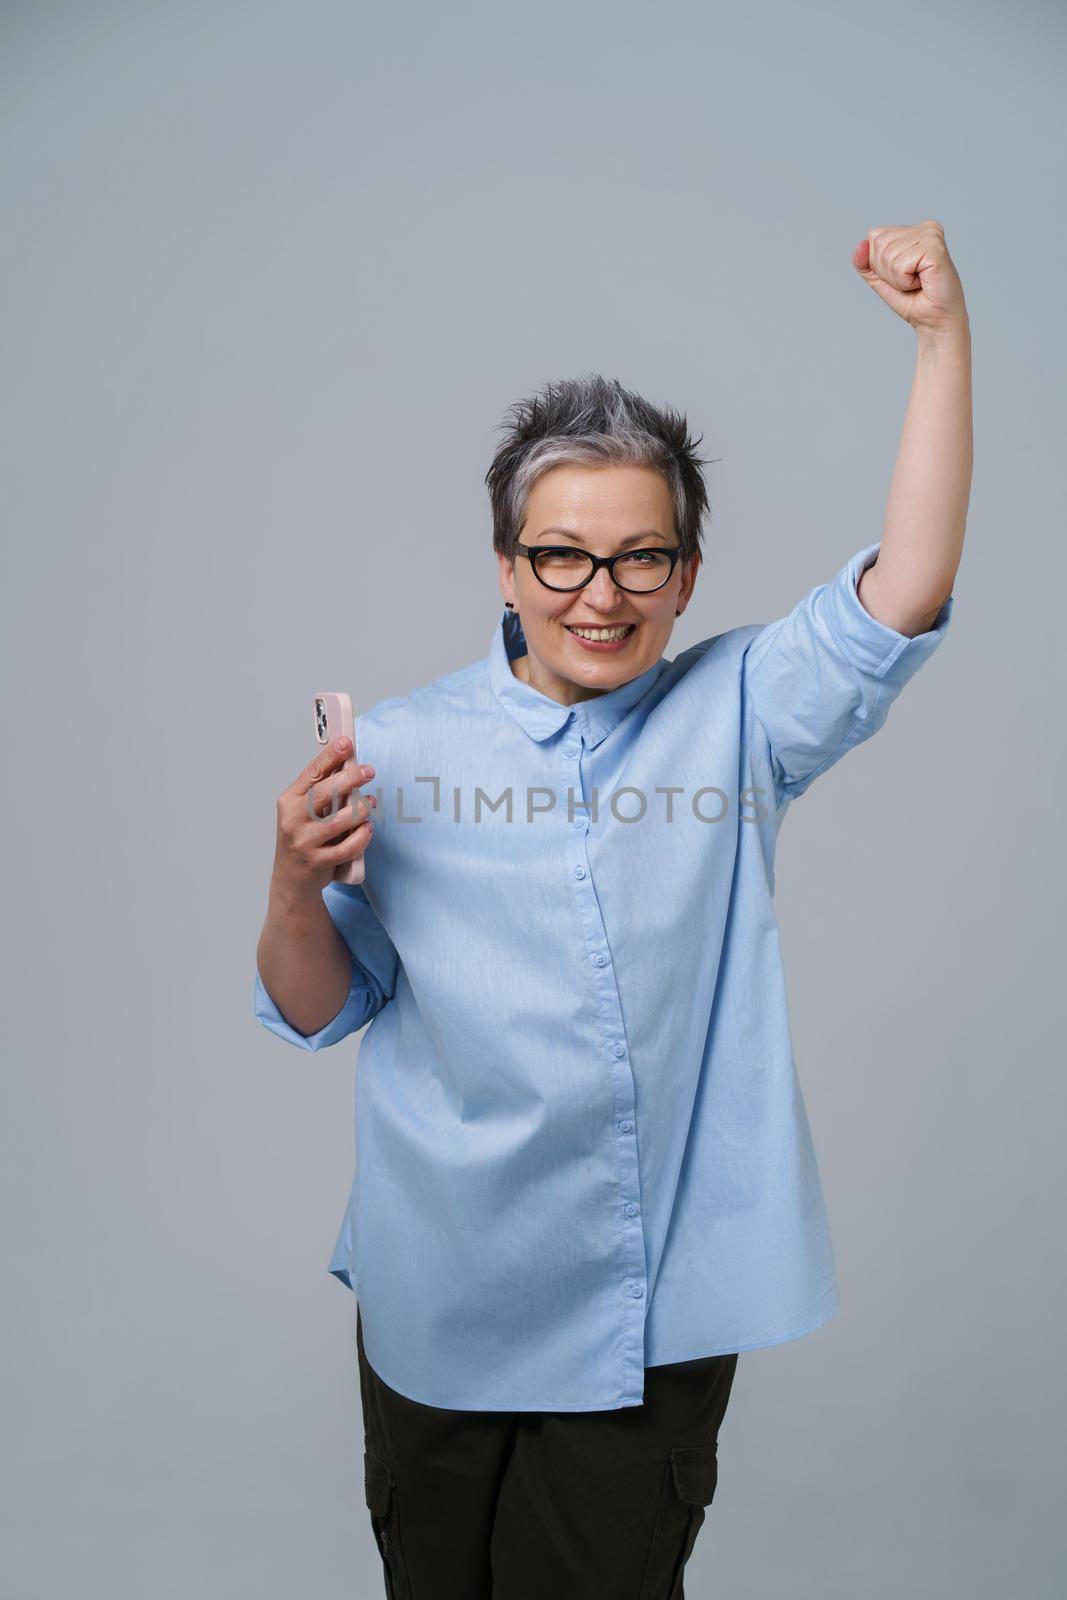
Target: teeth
[600, 634]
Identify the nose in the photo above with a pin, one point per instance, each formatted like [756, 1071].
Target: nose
[601, 592]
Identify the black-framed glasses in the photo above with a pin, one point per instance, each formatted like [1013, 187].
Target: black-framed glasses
[565, 567]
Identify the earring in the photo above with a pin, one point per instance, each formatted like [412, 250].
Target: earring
[509, 605]
[677, 613]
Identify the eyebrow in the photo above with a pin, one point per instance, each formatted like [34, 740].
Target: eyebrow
[624, 544]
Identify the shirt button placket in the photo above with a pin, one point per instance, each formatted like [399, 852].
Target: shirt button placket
[633, 1267]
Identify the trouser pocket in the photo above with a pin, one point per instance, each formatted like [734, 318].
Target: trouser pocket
[382, 1502]
[688, 1486]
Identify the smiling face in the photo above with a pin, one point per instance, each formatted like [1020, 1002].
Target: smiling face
[603, 510]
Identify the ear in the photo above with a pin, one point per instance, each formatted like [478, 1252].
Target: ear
[506, 573]
[689, 578]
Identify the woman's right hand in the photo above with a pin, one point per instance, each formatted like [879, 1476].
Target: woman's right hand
[309, 847]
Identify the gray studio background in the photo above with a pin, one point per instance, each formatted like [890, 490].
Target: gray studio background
[271, 276]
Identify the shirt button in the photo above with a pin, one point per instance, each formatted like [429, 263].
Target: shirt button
[637, 1290]
[601, 959]
[624, 1127]
[630, 1208]
[618, 1049]
[570, 749]
[579, 872]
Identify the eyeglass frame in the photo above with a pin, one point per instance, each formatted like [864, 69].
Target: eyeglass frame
[529, 551]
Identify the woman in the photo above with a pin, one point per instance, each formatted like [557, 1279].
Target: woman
[585, 1180]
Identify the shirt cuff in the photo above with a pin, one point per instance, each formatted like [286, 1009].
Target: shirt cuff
[350, 1017]
[873, 646]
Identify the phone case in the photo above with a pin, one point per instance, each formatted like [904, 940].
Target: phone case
[333, 718]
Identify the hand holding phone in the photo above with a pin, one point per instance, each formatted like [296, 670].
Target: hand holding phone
[333, 719]
[324, 823]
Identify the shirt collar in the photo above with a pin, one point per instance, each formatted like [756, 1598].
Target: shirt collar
[539, 715]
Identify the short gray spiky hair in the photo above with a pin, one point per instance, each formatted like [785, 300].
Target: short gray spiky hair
[593, 421]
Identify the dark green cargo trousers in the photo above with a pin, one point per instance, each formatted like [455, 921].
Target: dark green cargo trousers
[543, 1505]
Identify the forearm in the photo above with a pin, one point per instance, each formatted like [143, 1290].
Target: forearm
[926, 515]
[303, 961]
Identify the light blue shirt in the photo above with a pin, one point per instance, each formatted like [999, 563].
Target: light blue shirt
[581, 1145]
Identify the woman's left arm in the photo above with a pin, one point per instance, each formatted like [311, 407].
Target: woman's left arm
[922, 542]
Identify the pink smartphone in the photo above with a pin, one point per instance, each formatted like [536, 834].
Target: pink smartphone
[333, 718]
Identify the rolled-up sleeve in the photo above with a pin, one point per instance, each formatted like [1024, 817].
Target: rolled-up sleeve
[821, 680]
[374, 971]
